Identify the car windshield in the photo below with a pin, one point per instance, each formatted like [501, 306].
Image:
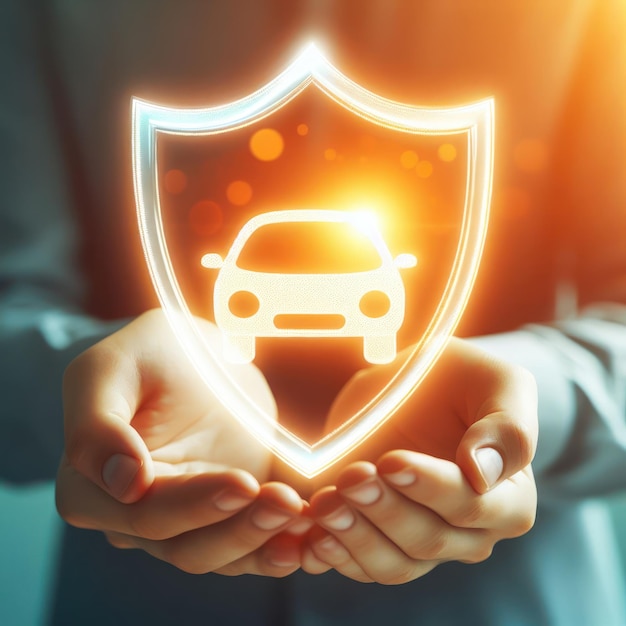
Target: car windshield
[309, 248]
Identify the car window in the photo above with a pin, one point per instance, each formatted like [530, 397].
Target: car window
[309, 248]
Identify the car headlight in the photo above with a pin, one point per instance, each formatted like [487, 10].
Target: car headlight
[375, 304]
[243, 304]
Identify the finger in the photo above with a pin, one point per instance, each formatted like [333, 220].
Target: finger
[502, 438]
[323, 552]
[278, 557]
[173, 505]
[372, 551]
[417, 530]
[310, 563]
[101, 390]
[441, 486]
[214, 547]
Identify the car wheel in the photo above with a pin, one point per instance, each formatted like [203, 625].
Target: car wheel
[239, 348]
[379, 350]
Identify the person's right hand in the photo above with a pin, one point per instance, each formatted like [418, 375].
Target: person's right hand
[155, 461]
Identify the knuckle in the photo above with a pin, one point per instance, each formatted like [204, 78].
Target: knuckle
[520, 433]
[431, 548]
[470, 515]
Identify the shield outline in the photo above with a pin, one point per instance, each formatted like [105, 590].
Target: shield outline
[311, 67]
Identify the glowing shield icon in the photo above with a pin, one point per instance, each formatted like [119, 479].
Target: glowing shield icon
[334, 296]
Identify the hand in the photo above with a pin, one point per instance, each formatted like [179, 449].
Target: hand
[155, 461]
[455, 480]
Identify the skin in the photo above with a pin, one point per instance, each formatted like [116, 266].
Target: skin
[202, 494]
[421, 498]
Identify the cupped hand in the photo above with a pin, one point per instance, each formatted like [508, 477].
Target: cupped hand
[447, 477]
[154, 460]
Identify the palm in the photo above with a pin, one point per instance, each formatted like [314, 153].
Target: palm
[433, 420]
[185, 428]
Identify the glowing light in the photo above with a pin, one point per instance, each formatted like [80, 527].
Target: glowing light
[424, 169]
[205, 217]
[446, 152]
[409, 159]
[239, 193]
[330, 154]
[175, 182]
[302, 130]
[473, 122]
[267, 144]
[366, 221]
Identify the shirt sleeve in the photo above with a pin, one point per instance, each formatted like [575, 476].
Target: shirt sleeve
[580, 368]
[42, 326]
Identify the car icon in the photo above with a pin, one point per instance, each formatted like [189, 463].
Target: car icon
[309, 273]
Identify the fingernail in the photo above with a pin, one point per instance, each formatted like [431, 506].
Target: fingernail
[118, 472]
[364, 493]
[229, 500]
[266, 518]
[328, 544]
[329, 547]
[490, 464]
[281, 561]
[341, 519]
[285, 557]
[403, 478]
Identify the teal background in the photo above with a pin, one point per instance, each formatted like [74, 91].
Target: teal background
[29, 534]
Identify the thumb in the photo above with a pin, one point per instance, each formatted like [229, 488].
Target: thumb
[501, 442]
[101, 391]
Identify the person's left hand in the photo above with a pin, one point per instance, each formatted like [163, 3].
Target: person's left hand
[456, 477]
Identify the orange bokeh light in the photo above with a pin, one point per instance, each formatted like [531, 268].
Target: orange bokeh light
[446, 152]
[175, 182]
[206, 217]
[302, 130]
[330, 154]
[267, 144]
[239, 192]
[409, 159]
